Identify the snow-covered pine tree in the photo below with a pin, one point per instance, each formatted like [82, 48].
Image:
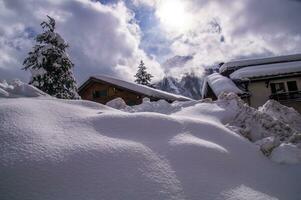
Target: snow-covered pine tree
[50, 65]
[142, 76]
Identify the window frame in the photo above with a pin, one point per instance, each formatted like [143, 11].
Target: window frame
[296, 85]
[100, 93]
[274, 87]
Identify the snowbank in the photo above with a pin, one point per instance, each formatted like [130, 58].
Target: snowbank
[17, 88]
[78, 150]
[160, 106]
[286, 153]
[268, 127]
[260, 127]
[117, 103]
[282, 113]
[59, 149]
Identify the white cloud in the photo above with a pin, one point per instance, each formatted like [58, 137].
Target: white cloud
[106, 38]
[223, 30]
[103, 38]
[150, 3]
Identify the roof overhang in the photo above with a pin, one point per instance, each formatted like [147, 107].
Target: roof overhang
[229, 67]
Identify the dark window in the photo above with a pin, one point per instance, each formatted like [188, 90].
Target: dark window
[277, 88]
[292, 86]
[131, 103]
[293, 90]
[119, 90]
[100, 93]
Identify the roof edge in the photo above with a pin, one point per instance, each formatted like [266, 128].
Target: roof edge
[238, 64]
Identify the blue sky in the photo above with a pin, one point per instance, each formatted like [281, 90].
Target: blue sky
[153, 41]
[111, 37]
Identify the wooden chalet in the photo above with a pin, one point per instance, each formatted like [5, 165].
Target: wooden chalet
[103, 89]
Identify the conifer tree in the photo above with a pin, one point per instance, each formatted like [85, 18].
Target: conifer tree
[50, 65]
[142, 76]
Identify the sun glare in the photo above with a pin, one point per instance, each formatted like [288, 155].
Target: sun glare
[174, 15]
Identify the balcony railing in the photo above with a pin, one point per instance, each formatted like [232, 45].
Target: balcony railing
[286, 96]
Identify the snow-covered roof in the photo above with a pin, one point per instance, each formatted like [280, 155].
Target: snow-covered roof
[261, 61]
[267, 70]
[219, 84]
[148, 91]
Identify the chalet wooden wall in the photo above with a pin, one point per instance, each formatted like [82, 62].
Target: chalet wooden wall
[131, 98]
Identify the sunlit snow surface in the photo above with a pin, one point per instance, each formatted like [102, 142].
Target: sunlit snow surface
[78, 150]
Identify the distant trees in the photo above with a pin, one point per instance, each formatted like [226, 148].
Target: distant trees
[142, 76]
[50, 65]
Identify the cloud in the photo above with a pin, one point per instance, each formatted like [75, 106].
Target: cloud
[107, 39]
[250, 27]
[103, 38]
[220, 31]
[150, 3]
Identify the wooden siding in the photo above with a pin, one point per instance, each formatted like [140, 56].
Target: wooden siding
[113, 92]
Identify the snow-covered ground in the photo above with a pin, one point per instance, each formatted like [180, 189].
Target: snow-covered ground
[268, 127]
[57, 149]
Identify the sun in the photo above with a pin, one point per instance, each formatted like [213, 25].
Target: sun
[173, 15]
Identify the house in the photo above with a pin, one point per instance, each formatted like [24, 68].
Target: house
[103, 89]
[258, 80]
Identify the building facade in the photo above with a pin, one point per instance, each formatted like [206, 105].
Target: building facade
[285, 90]
[277, 78]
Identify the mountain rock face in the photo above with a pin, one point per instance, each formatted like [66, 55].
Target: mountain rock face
[189, 85]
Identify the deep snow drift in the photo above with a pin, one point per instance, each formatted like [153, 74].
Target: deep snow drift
[56, 149]
[271, 126]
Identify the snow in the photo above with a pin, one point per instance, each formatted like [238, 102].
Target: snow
[258, 126]
[255, 125]
[77, 150]
[259, 61]
[220, 84]
[117, 103]
[160, 106]
[282, 113]
[186, 138]
[266, 129]
[16, 88]
[245, 193]
[286, 153]
[266, 70]
[142, 89]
